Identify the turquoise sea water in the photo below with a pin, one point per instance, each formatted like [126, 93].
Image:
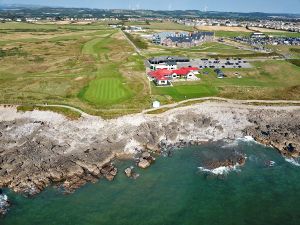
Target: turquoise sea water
[174, 191]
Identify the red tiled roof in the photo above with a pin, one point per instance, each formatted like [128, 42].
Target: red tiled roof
[185, 70]
[160, 74]
[161, 78]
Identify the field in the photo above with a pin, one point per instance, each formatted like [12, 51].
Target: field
[162, 26]
[206, 49]
[95, 69]
[223, 28]
[288, 51]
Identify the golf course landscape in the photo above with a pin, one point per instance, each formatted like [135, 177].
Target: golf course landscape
[96, 69]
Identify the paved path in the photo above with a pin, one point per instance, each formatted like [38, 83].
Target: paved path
[135, 47]
[170, 106]
[223, 100]
[83, 114]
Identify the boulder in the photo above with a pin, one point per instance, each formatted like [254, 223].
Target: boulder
[109, 177]
[153, 147]
[135, 175]
[109, 171]
[114, 171]
[55, 175]
[143, 163]
[128, 172]
[146, 155]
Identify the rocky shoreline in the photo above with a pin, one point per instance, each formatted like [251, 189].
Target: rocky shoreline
[38, 149]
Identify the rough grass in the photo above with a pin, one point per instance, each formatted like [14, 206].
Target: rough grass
[206, 49]
[138, 42]
[12, 52]
[166, 25]
[65, 66]
[294, 61]
[297, 50]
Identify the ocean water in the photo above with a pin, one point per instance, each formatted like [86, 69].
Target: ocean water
[174, 191]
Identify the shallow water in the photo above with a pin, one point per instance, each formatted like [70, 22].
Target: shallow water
[174, 191]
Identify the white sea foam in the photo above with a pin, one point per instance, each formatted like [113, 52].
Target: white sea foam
[222, 170]
[292, 161]
[248, 138]
[236, 142]
[3, 200]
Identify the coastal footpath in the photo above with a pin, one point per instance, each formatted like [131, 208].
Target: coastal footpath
[39, 148]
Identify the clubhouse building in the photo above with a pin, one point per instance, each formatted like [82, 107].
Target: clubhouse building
[182, 39]
[165, 77]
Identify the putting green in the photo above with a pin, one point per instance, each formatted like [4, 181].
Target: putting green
[106, 91]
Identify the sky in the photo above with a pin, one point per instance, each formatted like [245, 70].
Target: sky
[270, 6]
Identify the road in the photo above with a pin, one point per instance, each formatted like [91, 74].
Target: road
[135, 47]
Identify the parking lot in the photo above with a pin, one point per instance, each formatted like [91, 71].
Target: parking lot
[216, 63]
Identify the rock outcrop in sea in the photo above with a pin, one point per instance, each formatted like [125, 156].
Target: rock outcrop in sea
[38, 149]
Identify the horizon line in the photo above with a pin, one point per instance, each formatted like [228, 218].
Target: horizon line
[145, 9]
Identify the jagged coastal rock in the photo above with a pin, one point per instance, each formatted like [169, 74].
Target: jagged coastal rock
[143, 163]
[281, 131]
[128, 172]
[41, 148]
[145, 160]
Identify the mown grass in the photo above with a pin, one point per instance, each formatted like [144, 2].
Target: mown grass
[70, 114]
[183, 91]
[105, 91]
[271, 79]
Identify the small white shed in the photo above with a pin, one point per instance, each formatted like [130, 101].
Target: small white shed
[156, 104]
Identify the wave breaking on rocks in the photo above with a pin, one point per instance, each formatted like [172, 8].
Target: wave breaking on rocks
[38, 149]
[4, 204]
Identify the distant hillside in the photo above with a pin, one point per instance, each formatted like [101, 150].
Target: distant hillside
[13, 11]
